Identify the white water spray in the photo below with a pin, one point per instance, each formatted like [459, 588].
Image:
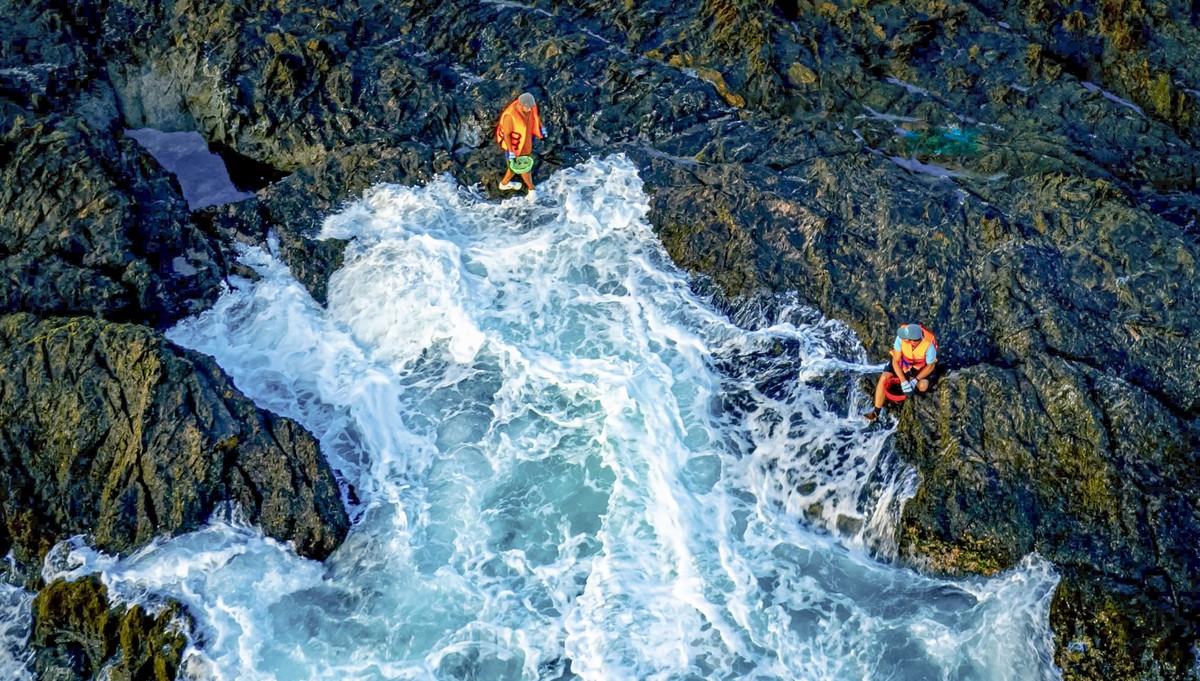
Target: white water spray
[566, 466]
[15, 624]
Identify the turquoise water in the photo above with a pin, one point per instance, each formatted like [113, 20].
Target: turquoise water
[563, 464]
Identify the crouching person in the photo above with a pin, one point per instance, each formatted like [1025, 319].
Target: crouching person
[914, 354]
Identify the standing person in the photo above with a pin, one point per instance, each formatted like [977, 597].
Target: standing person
[914, 353]
[519, 124]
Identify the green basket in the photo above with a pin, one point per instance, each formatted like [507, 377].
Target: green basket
[521, 164]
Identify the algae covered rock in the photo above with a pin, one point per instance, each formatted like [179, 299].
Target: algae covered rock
[80, 635]
[112, 432]
[1082, 467]
[1109, 629]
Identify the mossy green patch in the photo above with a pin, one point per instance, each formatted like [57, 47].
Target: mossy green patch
[78, 634]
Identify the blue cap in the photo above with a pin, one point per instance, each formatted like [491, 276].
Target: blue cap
[910, 332]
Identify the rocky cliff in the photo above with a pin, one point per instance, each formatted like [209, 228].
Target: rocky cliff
[107, 430]
[1021, 177]
[112, 432]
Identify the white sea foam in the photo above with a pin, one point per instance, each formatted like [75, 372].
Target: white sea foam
[15, 623]
[567, 466]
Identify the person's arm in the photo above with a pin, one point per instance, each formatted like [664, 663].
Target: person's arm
[538, 131]
[504, 132]
[927, 370]
[896, 364]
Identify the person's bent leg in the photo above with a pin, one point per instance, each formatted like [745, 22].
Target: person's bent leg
[928, 375]
[508, 175]
[880, 387]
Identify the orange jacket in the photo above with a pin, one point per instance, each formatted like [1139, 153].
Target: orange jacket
[516, 130]
[912, 355]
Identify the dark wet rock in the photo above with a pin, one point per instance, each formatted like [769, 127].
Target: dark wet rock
[1102, 481]
[43, 69]
[92, 225]
[246, 174]
[1083, 467]
[810, 147]
[1143, 52]
[1110, 629]
[112, 432]
[1080, 271]
[80, 635]
[310, 260]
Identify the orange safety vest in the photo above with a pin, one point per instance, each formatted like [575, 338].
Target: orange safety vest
[516, 129]
[913, 356]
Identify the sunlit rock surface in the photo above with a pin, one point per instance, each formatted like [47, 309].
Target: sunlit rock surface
[1019, 177]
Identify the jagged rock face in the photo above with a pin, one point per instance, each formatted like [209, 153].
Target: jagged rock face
[1084, 468]
[92, 225]
[79, 635]
[42, 68]
[106, 429]
[1105, 483]
[112, 432]
[806, 146]
[1110, 629]
[1142, 50]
